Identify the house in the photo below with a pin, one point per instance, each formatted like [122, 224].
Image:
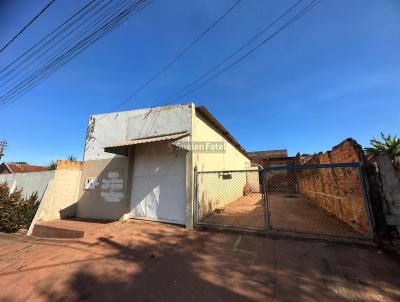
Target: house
[272, 158]
[20, 167]
[142, 163]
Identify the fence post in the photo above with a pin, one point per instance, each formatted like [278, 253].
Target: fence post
[196, 201]
[265, 199]
[366, 201]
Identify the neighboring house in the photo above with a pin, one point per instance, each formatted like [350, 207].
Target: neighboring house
[271, 158]
[20, 167]
[142, 163]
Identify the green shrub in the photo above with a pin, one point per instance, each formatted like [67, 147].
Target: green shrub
[16, 212]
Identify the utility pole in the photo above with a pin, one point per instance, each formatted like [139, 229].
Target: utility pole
[3, 144]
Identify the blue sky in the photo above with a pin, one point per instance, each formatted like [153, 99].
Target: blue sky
[333, 74]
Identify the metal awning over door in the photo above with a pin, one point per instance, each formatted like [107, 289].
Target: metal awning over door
[123, 147]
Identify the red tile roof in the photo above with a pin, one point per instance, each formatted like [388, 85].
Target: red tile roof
[23, 168]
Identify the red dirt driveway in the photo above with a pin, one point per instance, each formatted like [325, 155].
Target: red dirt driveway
[144, 261]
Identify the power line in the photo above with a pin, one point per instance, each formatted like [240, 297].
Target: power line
[293, 19]
[27, 25]
[215, 67]
[263, 42]
[40, 45]
[72, 52]
[77, 48]
[177, 57]
[108, 23]
[57, 53]
[52, 47]
[47, 36]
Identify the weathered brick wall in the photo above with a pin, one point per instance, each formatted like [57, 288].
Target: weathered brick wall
[337, 190]
[69, 165]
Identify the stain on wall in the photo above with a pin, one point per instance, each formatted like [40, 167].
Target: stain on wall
[112, 186]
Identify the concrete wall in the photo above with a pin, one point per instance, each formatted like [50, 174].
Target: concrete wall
[337, 190]
[29, 182]
[101, 202]
[214, 191]
[59, 200]
[110, 199]
[114, 128]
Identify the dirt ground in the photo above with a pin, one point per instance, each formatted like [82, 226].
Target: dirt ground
[145, 261]
[294, 213]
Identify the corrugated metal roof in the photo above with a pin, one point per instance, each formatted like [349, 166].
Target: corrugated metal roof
[121, 147]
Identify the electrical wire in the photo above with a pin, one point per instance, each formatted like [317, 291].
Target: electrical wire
[284, 26]
[59, 61]
[65, 23]
[263, 42]
[21, 66]
[177, 57]
[82, 44]
[26, 26]
[88, 28]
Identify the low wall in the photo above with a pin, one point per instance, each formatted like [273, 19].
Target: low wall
[28, 182]
[337, 190]
[59, 200]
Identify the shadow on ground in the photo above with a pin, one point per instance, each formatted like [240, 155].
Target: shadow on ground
[156, 262]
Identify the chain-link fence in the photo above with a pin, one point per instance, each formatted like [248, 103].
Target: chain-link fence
[318, 199]
[230, 198]
[325, 199]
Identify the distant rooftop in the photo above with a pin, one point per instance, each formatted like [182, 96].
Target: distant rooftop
[20, 167]
[258, 155]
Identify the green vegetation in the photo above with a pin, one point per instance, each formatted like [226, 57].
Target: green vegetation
[16, 212]
[72, 157]
[388, 144]
[52, 165]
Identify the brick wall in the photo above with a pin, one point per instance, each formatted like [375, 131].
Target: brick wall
[69, 165]
[337, 190]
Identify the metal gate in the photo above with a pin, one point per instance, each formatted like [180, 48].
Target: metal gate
[326, 199]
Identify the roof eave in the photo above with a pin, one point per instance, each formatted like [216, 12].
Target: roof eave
[203, 110]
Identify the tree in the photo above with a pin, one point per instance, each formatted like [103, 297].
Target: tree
[72, 157]
[389, 145]
[52, 165]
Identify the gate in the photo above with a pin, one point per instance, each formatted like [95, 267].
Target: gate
[326, 199]
[231, 199]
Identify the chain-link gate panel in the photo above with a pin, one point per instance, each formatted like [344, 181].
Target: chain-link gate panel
[230, 199]
[319, 199]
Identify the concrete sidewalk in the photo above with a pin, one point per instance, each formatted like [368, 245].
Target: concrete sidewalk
[144, 261]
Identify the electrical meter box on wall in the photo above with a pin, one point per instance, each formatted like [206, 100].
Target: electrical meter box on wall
[91, 183]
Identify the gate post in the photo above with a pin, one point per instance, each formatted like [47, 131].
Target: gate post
[196, 201]
[265, 200]
[366, 201]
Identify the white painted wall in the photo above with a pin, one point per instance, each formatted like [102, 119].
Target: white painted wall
[29, 182]
[114, 128]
